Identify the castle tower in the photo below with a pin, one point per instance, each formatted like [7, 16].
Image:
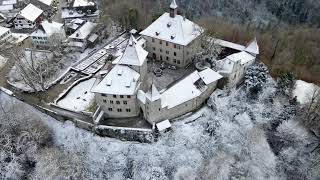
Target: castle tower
[153, 109]
[173, 9]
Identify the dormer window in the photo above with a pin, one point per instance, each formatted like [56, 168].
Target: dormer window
[169, 24]
[173, 36]
[157, 33]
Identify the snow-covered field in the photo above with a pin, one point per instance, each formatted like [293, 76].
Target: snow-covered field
[304, 91]
[79, 98]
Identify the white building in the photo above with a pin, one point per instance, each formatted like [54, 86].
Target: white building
[47, 32]
[5, 34]
[116, 94]
[28, 18]
[234, 66]
[172, 38]
[79, 39]
[183, 97]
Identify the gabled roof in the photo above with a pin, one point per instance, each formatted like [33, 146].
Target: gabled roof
[31, 12]
[173, 4]
[153, 93]
[3, 30]
[82, 3]
[46, 2]
[242, 56]
[121, 80]
[253, 47]
[134, 54]
[178, 29]
[48, 28]
[186, 89]
[84, 31]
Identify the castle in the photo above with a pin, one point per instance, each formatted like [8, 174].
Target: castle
[125, 92]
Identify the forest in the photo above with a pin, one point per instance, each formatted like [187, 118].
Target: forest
[287, 31]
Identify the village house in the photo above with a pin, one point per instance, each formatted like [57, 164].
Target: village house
[73, 25]
[116, 93]
[172, 38]
[234, 66]
[28, 18]
[45, 5]
[79, 39]
[47, 32]
[81, 9]
[5, 34]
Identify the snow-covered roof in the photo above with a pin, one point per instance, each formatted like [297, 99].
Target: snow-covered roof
[253, 47]
[31, 12]
[46, 2]
[3, 30]
[82, 3]
[6, 7]
[84, 31]
[134, 54]
[177, 29]
[49, 28]
[228, 44]
[173, 4]
[163, 125]
[186, 89]
[6, 2]
[141, 96]
[208, 76]
[153, 93]
[242, 56]
[19, 37]
[121, 80]
[69, 13]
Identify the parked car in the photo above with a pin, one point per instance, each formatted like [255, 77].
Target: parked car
[158, 72]
[173, 67]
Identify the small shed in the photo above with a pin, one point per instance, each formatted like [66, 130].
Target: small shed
[163, 125]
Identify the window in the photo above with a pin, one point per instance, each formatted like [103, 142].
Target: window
[167, 44]
[187, 52]
[121, 96]
[105, 101]
[178, 61]
[174, 45]
[119, 110]
[174, 60]
[167, 58]
[175, 54]
[125, 102]
[114, 96]
[161, 58]
[109, 109]
[154, 49]
[103, 95]
[111, 102]
[118, 102]
[167, 52]
[160, 50]
[160, 42]
[152, 40]
[128, 96]
[128, 110]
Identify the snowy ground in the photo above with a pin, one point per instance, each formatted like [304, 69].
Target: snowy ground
[228, 143]
[79, 98]
[304, 91]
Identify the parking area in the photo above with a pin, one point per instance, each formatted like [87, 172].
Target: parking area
[168, 75]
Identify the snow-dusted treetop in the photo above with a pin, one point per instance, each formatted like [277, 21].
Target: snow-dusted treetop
[31, 12]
